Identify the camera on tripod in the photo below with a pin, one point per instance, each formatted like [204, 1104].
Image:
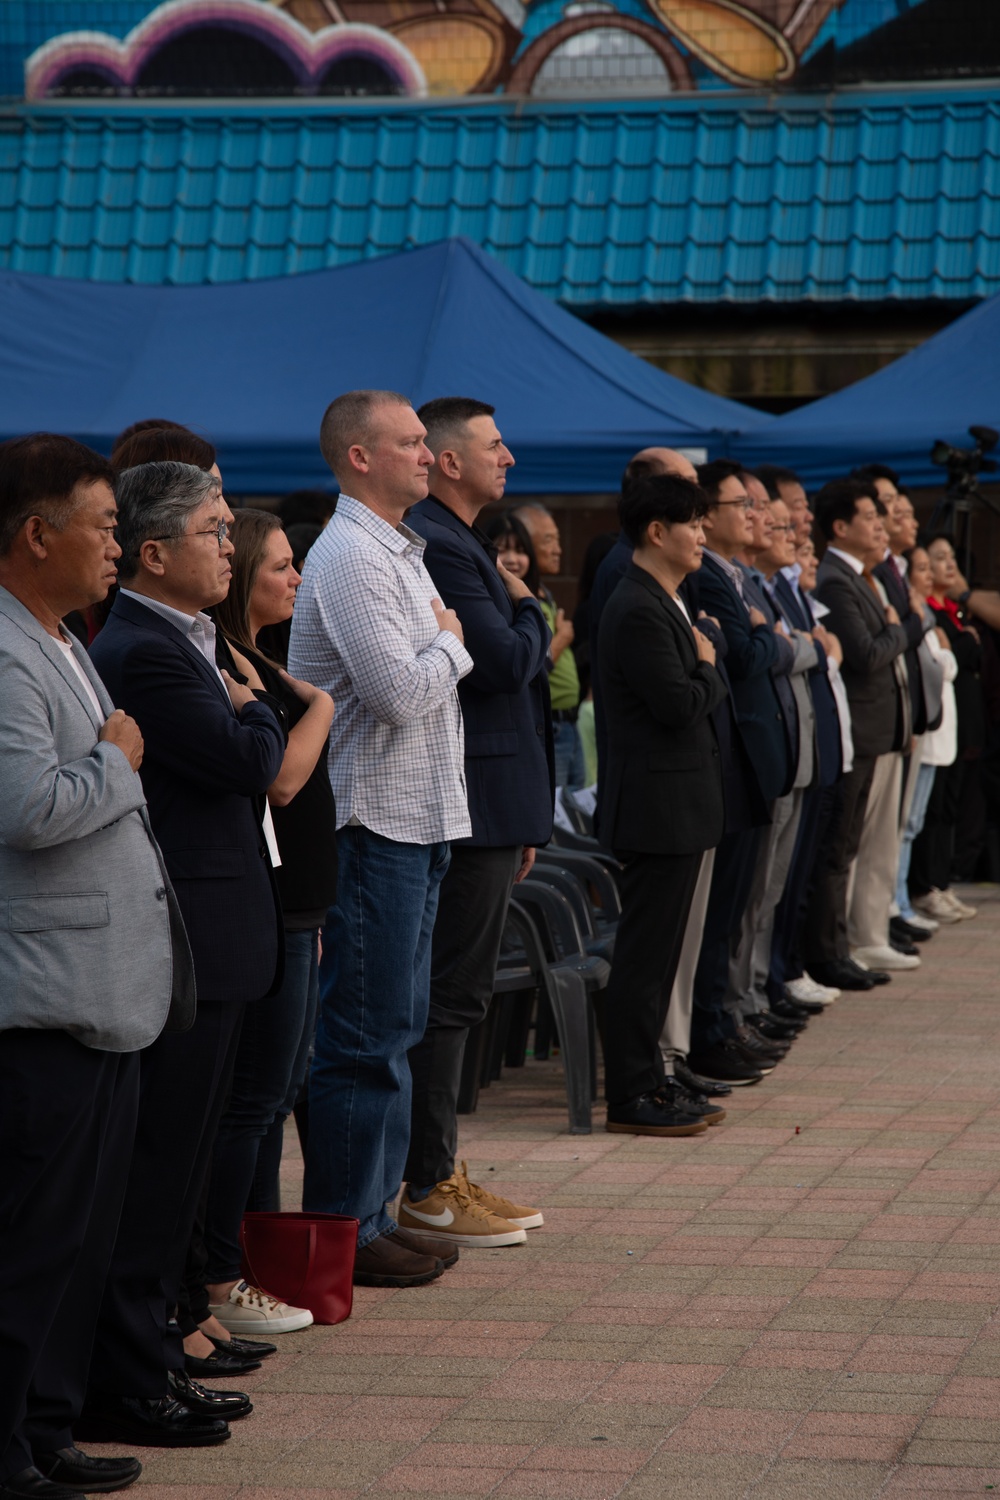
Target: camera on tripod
[963, 464]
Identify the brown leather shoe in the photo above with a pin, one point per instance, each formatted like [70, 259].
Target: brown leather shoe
[443, 1249]
[388, 1262]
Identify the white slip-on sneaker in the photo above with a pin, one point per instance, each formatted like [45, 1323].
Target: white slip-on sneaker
[885, 958]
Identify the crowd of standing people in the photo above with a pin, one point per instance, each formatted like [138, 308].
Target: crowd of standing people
[261, 819]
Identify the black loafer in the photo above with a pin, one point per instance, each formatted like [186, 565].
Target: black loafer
[94, 1476]
[696, 1083]
[31, 1484]
[147, 1422]
[250, 1348]
[842, 974]
[216, 1366]
[900, 929]
[198, 1398]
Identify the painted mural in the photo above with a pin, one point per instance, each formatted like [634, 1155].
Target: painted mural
[545, 48]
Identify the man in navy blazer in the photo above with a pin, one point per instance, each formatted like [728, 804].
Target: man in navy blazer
[212, 750]
[510, 780]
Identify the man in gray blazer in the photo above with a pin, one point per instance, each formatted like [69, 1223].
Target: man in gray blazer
[92, 954]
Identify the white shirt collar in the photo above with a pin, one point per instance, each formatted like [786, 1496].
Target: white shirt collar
[199, 628]
[852, 562]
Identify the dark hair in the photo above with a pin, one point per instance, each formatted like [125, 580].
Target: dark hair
[917, 547]
[838, 500]
[249, 531]
[144, 426]
[309, 507]
[660, 497]
[597, 550]
[446, 415]
[875, 471]
[300, 538]
[713, 476]
[173, 444]
[508, 525]
[773, 476]
[38, 476]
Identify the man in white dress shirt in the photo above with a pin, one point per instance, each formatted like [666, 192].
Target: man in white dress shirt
[370, 630]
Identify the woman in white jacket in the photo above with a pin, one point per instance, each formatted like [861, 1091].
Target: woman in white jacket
[939, 746]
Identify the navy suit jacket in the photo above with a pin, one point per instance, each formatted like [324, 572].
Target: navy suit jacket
[509, 768]
[204, 772]
[829, 746]
[753, 651]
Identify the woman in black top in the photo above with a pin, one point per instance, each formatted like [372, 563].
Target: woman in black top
[273, 1051]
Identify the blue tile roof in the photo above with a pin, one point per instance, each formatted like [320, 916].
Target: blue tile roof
[864, 196]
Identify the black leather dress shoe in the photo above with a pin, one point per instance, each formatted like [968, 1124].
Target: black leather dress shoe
[147, 1422]
[798, 1011]
[876, 976]
[900, 928]
[772, 1028]
[198, 1398]
[903, 945]
[842, 974]
[94, 1476]
[30, 1484]
[697, 1083]
[252, 1348]
[217, 1366]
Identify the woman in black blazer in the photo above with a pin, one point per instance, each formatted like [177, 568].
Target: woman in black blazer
[661, 799]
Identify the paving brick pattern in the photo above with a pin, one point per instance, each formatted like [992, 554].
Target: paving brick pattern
[800, 1303]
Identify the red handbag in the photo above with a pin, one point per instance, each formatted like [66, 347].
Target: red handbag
[305, 1259]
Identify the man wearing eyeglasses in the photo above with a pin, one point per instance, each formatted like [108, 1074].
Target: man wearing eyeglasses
[212, 750]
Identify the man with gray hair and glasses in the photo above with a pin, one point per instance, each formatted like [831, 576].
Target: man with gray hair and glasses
[370, 629]
[212, 750]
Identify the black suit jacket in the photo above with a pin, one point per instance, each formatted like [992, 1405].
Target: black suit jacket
[870, 645]
[202, 770]
[663, 786]
[509, 770]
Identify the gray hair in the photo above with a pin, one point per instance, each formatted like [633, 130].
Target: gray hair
[349, 419]
[156, 501]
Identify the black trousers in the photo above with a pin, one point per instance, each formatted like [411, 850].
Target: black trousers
[472, 909]
[732, 877]
[67, 1124]
[934, 846]
[824, 931]
[656, 894]
[184, 1081]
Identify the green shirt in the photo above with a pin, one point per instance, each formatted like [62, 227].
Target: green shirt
[564, 680]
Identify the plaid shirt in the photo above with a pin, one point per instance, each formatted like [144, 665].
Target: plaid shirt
[363, 629]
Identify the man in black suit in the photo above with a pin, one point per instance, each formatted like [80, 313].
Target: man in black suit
[212, 750]
[662, 805]
[510, 780]
[872, 641]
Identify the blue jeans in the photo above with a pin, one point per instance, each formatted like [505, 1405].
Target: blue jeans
[270, 1063]
[571, 767]
[914, 825]
[374, 992]
[265, 1192]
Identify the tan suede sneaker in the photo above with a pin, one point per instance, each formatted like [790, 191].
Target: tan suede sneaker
[514, 1213]
[449, 1212]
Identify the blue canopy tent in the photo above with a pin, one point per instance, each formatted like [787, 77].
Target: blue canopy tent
[252, 365]
[936, 391]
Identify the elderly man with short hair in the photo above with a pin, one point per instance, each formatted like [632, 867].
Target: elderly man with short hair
[93, 959]
[212, 750]
[370, 629]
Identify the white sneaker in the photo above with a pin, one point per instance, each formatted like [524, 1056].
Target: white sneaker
[247, 1309]
[885, 958]
[808, 988]
[936, 904]
[964, 911]
[925, 924]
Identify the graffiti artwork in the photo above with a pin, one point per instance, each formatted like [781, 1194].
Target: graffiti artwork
[545, 48]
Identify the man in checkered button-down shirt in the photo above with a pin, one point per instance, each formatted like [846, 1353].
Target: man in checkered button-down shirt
[370, 629]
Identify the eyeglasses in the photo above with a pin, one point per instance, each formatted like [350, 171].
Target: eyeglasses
[220, 533]
[745, 504]
[775, 527]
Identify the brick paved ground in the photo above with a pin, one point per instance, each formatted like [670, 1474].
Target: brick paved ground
[802, 1302]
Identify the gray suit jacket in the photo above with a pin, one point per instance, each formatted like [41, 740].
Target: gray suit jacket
[91, 941]
[871, 645]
